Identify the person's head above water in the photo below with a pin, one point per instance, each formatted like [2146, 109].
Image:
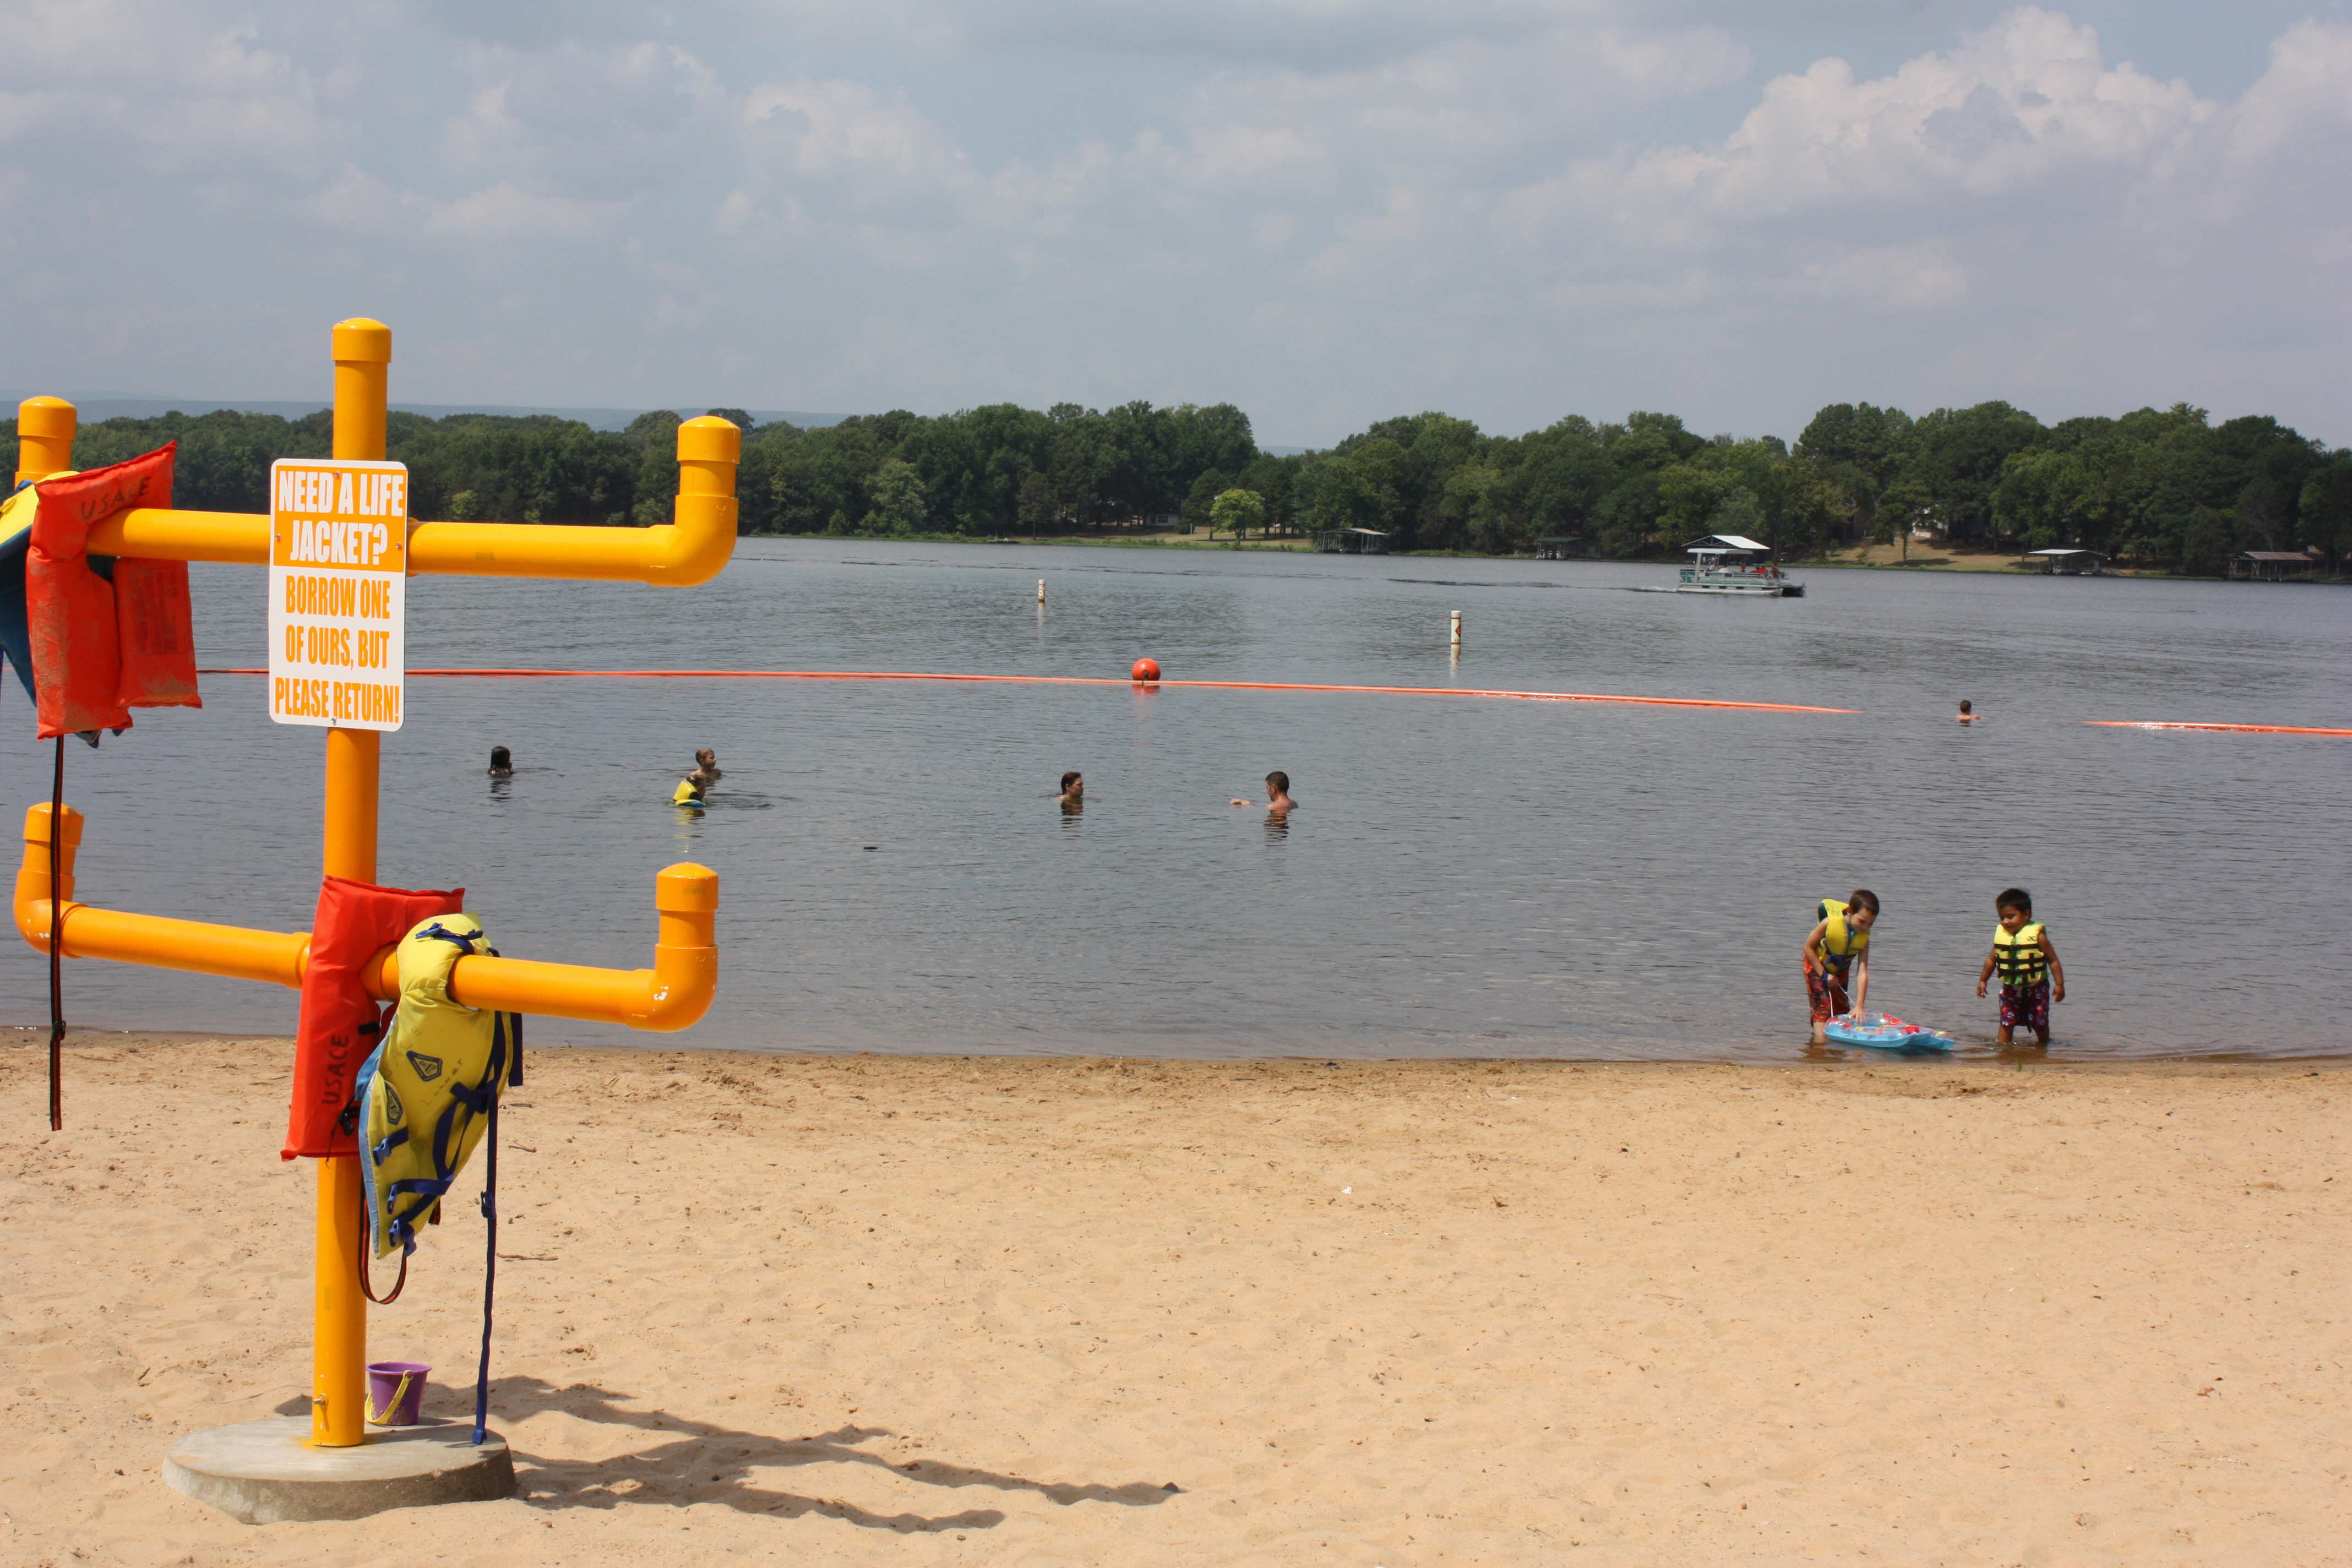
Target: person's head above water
[1073, 787]
[1967, 706]
[501, 763]
[1277, 793]
[708, 758]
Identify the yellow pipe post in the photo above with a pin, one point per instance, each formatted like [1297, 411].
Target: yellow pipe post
[45, 435]
[363, 352]
[673, 995]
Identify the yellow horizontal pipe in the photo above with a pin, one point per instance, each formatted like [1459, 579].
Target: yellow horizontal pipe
[671, 995]
[692, 549]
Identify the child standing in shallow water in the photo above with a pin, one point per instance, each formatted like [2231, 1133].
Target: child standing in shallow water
[2027, 965]
[1840, 943]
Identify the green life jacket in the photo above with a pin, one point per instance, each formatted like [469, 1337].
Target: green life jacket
[1840, 944]
[426, 1096]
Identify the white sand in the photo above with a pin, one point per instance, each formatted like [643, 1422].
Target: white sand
[826, 1311]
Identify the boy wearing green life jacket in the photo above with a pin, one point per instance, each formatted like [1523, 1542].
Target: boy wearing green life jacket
[2028, 966]
[1837, 951]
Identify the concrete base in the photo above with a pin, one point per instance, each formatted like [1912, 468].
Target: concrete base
[265, 1472]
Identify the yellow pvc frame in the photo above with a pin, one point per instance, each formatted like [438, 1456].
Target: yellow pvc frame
[673, 995]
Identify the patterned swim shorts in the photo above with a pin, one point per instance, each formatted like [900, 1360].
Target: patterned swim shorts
[1826, 994]
[2026, 1005]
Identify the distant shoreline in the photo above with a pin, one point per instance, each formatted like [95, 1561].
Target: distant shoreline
[1973, 563]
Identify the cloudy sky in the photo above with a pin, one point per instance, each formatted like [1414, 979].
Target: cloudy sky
[1326, 211]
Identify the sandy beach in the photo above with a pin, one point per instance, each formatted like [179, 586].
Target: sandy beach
[871, 1310]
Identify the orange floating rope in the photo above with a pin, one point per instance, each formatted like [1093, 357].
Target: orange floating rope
[1074, 680]
[2234, 728]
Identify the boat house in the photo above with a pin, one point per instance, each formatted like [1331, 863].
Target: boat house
[1566, 547]
[1351, 542]
[2269, 566]
[2070, 562]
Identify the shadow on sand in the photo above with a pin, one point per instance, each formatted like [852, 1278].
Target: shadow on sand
[698, 1462]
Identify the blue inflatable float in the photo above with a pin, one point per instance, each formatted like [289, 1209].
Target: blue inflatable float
[1886, 1034]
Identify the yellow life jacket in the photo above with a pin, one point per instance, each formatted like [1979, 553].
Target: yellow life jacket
[685, 794]
[1840, 944]
[2019, 958]
[426, 1095]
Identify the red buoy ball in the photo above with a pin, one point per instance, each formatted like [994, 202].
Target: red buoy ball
[1147, 670]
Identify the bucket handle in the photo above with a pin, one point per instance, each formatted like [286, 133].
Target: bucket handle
[383, 1417]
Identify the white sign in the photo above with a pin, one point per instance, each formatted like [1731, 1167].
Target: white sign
[337, 576]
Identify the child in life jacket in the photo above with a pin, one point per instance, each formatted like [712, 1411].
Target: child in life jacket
[1840, 946]
[2027, 965]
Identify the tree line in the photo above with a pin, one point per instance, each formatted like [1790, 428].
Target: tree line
[2167, 488]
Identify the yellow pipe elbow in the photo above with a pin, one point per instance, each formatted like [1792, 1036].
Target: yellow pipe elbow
[32, 900]
[673, 995]
[193, 947]
[44, 438]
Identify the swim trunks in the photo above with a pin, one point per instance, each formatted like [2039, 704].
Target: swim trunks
[2026, 1005]
[1826, 994]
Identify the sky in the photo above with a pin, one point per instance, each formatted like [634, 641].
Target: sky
[1326, 211]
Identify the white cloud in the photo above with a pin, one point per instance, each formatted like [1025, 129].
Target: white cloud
[146, 89]
[2025, 112]
[1327, 210]
[502, 211]
[356, 202]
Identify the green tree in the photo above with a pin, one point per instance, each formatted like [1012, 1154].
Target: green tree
[1201, 498]
[2325, 509]
[1237, 512]
[895, 494]
[1957, 453]
[2207, 544]
[1037, 510]
[654, 436]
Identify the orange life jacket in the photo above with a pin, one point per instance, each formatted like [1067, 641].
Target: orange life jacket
[101, 648]
[340, 1023]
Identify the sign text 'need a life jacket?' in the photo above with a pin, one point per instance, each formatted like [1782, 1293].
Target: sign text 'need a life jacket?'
[337, 576]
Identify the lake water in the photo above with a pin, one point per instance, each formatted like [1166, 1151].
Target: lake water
[1464, 877]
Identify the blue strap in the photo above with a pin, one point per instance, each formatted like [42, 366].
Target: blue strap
[489, 1273]
[437, 932]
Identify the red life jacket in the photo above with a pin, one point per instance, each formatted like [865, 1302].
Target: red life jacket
[102, 649]
[340, 1023]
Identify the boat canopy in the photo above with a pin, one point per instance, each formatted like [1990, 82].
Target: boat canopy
[1714, 543]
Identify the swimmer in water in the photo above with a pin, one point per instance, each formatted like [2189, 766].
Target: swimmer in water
[1967, 711]
[501, 763]
[1279, 803]
[706, 768]
[1073, 794]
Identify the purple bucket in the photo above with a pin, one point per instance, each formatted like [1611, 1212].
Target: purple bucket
[395, 1388]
